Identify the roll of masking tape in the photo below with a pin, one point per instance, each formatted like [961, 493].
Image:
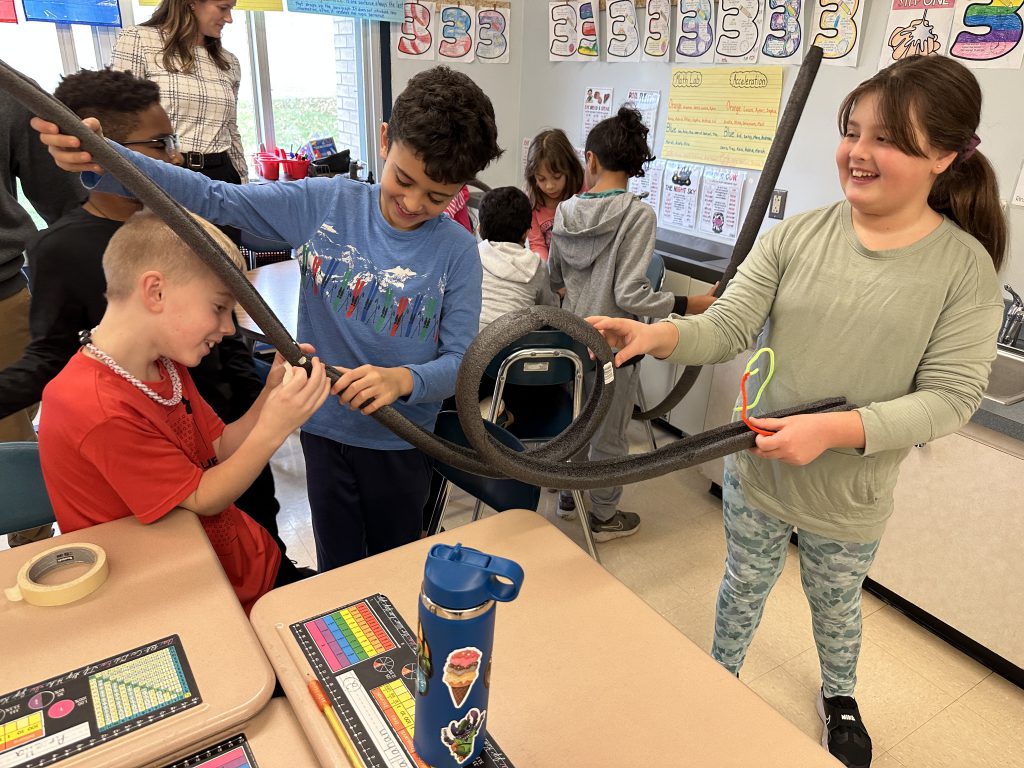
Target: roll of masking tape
[32, 591]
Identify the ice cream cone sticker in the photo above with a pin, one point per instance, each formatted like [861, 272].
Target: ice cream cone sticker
[460, 672]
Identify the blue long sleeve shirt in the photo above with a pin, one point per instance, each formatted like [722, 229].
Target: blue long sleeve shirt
[370, 293]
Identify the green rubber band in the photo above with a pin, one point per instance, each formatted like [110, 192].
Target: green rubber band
[771, 372]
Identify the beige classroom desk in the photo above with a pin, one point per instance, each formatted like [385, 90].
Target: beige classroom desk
[278, 284]
[164, 579]
[586, 673]
[274, 736]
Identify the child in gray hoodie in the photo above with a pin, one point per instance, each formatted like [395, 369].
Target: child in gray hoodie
[514, 276]
[601, 246]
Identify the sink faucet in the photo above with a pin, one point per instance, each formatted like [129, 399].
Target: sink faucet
[1014, 318]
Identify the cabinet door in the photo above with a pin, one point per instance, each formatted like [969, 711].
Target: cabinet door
[953, 545]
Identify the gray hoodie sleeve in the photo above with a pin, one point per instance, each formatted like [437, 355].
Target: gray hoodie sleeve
[540, 284]
[633, 291]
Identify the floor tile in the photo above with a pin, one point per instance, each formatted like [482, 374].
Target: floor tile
[932, 658]
[999, 702]
[956, 738]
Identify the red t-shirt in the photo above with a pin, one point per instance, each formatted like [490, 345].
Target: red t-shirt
[108, 451]
[540, 230]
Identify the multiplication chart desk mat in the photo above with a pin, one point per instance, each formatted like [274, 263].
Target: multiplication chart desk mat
[55, 719]
[364, 654]
[234, 752]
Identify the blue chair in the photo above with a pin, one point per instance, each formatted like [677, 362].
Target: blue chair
[25, 501]
[499, 494]
[656, 277]
[540, 379]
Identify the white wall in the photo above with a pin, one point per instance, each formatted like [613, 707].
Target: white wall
[531, 93]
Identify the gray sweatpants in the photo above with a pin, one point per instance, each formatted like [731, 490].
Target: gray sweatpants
[610, 441]
[832, 573]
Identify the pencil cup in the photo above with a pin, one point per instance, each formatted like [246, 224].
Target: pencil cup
[456, 635]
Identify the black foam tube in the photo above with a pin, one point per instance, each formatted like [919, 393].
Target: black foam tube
[545, 465]
[755, 213]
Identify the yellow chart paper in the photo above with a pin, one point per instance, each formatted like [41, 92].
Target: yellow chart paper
[723, 115]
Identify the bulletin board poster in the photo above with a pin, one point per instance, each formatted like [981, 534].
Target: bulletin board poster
[648, 186]
[784, 37]
[101, 13]
[493, 24]
[7, 12]
[723, 115]
[837, 30]
[680, 195]
[376, 10]
[415, 36]
[720, 201]
[916, 28]
[597, 106]
[646, 103]
[988, 35]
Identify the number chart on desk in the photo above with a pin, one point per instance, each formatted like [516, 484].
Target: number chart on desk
[365, 656]
[65, 715]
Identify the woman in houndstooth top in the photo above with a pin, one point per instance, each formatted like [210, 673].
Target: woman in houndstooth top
[180, 49]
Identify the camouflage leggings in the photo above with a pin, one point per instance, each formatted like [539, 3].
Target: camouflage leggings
[831, 572]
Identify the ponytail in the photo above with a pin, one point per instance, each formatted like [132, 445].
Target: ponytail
[620, 142]
[967, 192]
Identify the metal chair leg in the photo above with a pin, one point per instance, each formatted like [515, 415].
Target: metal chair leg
[584, 516]
[642, 402]
[477, 509]
[441, 507]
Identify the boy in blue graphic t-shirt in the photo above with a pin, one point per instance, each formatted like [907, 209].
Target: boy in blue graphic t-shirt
[390, 294]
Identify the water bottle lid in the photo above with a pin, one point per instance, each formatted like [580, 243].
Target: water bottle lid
[461, 577]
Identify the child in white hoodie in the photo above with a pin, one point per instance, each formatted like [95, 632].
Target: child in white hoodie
[514, 276]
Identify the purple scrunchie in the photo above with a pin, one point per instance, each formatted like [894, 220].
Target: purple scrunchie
[972, 144]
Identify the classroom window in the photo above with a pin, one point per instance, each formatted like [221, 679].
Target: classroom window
[32, 47]
[314, 79]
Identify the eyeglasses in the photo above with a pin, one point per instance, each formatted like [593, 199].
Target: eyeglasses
[169, 143]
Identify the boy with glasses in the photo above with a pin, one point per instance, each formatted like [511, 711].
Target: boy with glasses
[68, 285]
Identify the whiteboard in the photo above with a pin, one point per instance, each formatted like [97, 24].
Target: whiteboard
[531, 93]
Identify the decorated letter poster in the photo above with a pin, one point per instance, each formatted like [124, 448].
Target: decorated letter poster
[524, 154]
[656, 17]
[739, 31]
[784, 32]
[572, 31]
[646, 103]
[723, 115]
[597, 106]
[680, 192]
[694, 39]
[621, 30]
[7, 12]
[648, 186]
[916, 28]
[456, 32]
[415, 36]
[836, 27]
[493, 27]
[303, 6]
[988, 35]
[720, 201]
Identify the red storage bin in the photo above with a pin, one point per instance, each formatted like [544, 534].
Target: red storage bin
[296, 169]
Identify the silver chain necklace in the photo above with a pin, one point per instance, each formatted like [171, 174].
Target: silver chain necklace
[86, 338]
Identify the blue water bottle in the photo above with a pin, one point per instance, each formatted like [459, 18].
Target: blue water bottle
[455, 635]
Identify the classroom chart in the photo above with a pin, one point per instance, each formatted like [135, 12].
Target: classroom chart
[49, 721]
[234, 752]
[364, 654]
